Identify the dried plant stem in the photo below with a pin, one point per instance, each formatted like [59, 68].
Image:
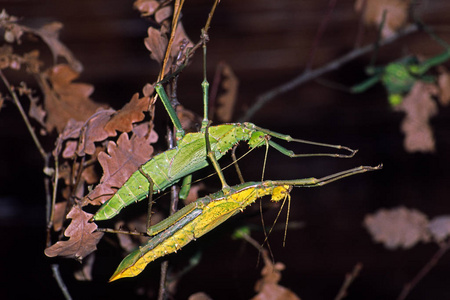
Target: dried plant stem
[349, 278]
[24, 116]
[443, 248]
[59, 280]
[308, 75]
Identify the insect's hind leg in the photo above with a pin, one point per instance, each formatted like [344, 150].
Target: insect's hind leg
[150, 197]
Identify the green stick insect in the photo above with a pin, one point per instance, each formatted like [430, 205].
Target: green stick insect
[203, 215]
[191, 154]
[399, 76]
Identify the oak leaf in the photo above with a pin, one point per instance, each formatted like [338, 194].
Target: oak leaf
[132, 112]
[398, 227]
[65, 100]
[439, 228]
[82, 238]
[122, 160]
[419, 107]
[396, 14]
[227, 99]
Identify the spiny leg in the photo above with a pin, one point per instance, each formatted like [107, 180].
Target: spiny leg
[290, 153]
[206, 122]
[150, 197]
[212, 157]
[236, 165]
[315, 182]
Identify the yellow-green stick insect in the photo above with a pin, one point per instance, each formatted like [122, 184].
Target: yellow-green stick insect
[191, 154]
[203, 215]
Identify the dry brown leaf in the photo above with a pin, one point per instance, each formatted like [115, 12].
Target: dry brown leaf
[65, 100]
[146, 7]
[163, 13]
[396, 14]
[82, 238]
[419, 107]
[59, 215]
[132, 112]
[444, 86]
[123, 159]
[85, 272]
[94, 131]
[439, 228]
[190, 121]
[50, 34]
[226, 100]
[156, 43]
[268, 288]
[398, 227]
[36, 111]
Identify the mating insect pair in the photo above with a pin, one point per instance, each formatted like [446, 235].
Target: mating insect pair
[192, 152]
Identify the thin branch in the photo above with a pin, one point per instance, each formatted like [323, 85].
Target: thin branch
[24, 116]
[264, 98]
[59, 280]
[443, 248]
[349, 278]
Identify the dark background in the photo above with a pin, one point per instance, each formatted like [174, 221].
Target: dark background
[266, 43]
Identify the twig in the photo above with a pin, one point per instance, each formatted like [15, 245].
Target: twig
[443, 248]
[264, 98]
[349, 278]
[24, 116]
[320, 31]
[59, 280]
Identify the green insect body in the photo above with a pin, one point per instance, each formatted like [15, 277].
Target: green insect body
[202, 216]
[206, 214]
[167, 168]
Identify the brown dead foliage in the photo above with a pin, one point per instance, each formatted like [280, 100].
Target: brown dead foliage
[82, 238]
[396, 14]
[419, 107]
[122, 160]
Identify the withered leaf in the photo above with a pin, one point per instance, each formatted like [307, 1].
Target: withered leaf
[50, 34]
[398, 227]
[59, 215]
[419, 107]
[132, 112]
[226, 100]
[268, 287]
[190, 121]
[163, 13]
[82, 238]
[94, 131]
[440, 228]
[397, 12]
[85, 272]
[146, 7]
[156, 43]
[65, 100]
[122, 160]
[444, 86]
